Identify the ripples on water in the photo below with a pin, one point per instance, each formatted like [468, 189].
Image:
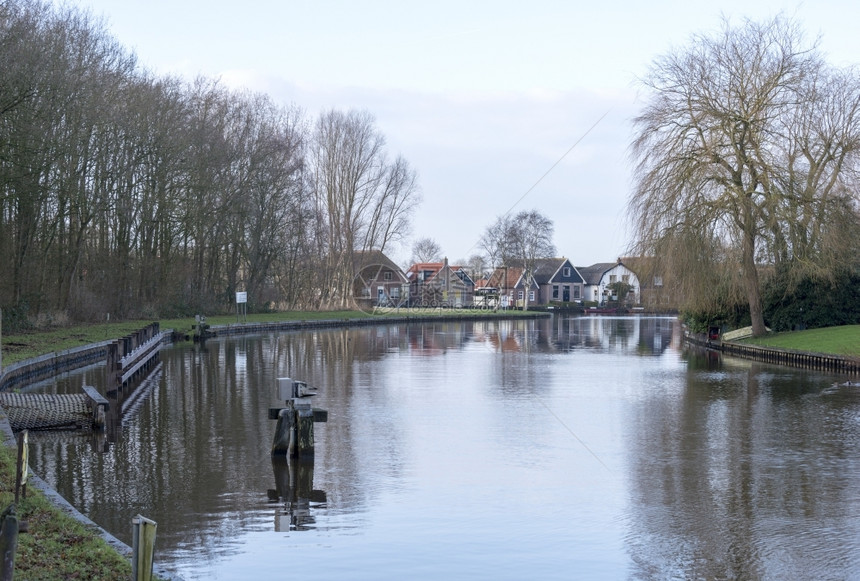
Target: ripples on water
[568, 448]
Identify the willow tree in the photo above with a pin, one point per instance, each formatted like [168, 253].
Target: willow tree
[744, 156]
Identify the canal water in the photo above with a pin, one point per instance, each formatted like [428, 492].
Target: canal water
[565, 448]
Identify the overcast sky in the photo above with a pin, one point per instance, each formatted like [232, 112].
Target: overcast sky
[482, 98]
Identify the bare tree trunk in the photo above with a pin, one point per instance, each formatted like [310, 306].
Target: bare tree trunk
[751, 282]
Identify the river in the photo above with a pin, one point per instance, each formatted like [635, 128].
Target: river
[564, 448]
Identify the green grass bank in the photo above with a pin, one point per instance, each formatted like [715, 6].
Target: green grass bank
[843, 340]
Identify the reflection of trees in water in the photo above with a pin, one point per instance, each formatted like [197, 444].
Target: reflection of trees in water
[750, 474]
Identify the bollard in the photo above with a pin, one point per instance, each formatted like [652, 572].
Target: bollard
[294, 434]
[143, 545]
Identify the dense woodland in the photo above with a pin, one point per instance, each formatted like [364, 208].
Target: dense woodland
[127, 194]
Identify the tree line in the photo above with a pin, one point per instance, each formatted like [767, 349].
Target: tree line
[127, 193]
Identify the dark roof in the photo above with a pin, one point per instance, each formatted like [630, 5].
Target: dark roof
[361, 260]
[592, 274]
[545, 269]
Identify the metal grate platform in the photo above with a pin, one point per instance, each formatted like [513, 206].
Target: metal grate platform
[34, 411]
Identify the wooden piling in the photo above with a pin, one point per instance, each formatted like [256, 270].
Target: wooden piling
[283, 443]
[304, 432]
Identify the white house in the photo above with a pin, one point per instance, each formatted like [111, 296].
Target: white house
[598, 278]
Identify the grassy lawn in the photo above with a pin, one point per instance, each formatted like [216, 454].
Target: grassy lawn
[834, 340]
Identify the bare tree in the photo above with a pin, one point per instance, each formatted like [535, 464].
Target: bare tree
[426, 250]
[363, 200]
[742, 153]
[520, 240]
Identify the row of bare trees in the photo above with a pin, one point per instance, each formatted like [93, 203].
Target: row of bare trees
[126, 193]
[747, 154]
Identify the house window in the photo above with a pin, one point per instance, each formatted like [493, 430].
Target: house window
[532, 296]
[576, 291]
[658, 281]
[566, 271]
[555, 291]
[520, 295]
[625, 278]
[387, 275]
[613, 278]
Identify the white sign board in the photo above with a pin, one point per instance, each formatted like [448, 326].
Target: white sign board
[241, 298]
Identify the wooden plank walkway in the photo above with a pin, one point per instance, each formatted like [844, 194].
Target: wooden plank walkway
[36, 411]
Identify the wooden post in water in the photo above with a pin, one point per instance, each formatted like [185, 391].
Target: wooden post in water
[23, 465]
[304, 431]
[143, 541]
[283, 441]
[294, 433]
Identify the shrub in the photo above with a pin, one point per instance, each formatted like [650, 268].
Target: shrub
[812, 303]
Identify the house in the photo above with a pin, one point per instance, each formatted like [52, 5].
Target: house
[499, 288]
[434, 284]
[553, 280]
[659, 290]
[378, 281]
[602, 281]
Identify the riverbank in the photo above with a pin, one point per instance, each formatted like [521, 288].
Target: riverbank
[844, 340]
[833, 349]
[61, 542]
[34, 343]
[62, 538]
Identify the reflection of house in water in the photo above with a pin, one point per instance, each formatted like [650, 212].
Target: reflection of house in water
[642, 335]
[511, 335]
[433, 339]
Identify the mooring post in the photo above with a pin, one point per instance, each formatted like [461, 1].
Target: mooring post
[283, 442]
[304, 431]
[294, 433]
[143, 548]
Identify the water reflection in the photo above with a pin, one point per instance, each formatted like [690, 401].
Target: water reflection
[294, 495]
[747, 475]
[592, 447]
